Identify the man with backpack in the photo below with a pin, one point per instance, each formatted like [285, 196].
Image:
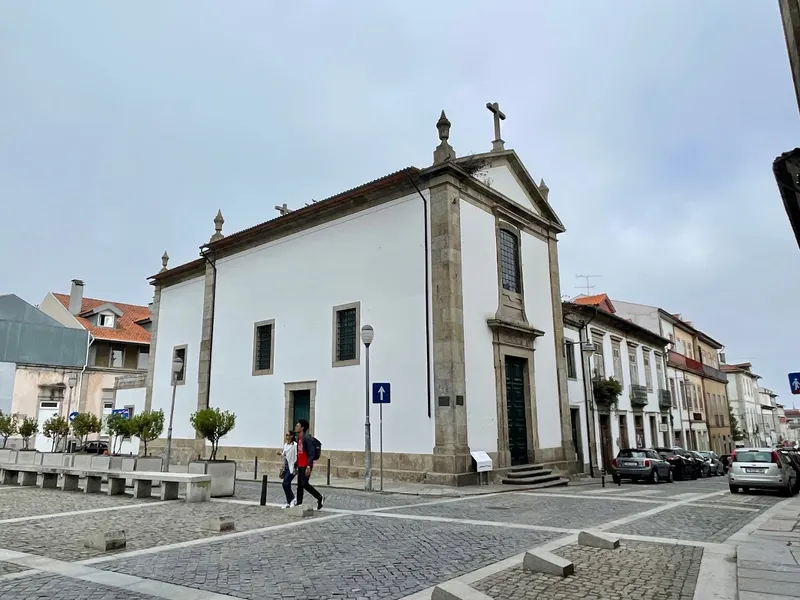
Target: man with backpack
[307, 452]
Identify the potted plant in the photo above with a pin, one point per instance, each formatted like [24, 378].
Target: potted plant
[212, 424]
[56, 428]
[28, 428]
[148, 426]
[8, 427]
[606, 392]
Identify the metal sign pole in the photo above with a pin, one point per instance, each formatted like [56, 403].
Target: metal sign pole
[381, 448]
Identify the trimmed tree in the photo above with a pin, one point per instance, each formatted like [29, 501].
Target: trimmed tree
[84, 424]
[8, 427]
[148, 426]
[28, 428]
[118, 427]
[55, 428]
[213, 424]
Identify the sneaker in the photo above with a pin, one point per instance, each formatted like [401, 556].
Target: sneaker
[293, 503]
[320, 502]
[285, 506]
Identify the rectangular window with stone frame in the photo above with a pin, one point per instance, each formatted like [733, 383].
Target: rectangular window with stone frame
[346, 327]
[509, 262]
[179, 352]
[616, 356]
[648, 375]
[569, 354]
[672, 393]
[264, 347]
[633, 365]
[599, 360]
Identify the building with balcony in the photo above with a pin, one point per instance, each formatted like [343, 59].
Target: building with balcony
[599, 344]
[770, 420]
[792, 416]
[696, 383]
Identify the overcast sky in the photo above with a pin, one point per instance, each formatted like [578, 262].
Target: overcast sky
[123, 130]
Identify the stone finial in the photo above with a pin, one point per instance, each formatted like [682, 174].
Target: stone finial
[164, 261]
[543, 189]
[219, 221]
[444, 151]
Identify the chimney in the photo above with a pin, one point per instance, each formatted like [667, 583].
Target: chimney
[76, 296]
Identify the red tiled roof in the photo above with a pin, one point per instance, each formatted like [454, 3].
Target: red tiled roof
[127, 329]
[602, 301]
[734, 368]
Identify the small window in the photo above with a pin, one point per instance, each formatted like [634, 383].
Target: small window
[569, 349]
[509, 261]
[633, 365]
[105, 320]
[108, 405]
[143, 359]
[263, 347]
[648, 375]
[180, 376]
[346, 344]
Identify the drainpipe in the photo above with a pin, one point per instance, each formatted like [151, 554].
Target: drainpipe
[427, 291]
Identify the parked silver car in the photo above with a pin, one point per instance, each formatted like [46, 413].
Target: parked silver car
[717, 468]
[640, 463]
[762, 468]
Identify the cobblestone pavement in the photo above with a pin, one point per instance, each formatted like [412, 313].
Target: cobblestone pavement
[531, 510]
[361, 554]
[635, 571]
[695, 523]
[352, 557]
[34, 501]
[334, 497]
[36, 587]
[155, 525]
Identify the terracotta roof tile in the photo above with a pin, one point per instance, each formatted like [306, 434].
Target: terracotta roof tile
[590, 300]
[127, 329]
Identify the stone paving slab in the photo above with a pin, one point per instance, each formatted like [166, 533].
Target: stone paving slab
[37, 587]
[163, 523]
[34, 501]
[353, 557]
[334, 498]
[745, 500]
[692, 523]
[524, 509]
[635, 571]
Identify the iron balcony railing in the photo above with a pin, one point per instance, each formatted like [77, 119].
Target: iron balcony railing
[664, 399]
[638, 395]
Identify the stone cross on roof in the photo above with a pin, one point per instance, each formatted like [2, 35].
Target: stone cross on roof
[498, 145]
[283, 209]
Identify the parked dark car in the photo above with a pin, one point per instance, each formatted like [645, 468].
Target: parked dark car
[640, 463]
[794, 458]
[717, 468]
[95, 447]
[682, 467]
[703, 463]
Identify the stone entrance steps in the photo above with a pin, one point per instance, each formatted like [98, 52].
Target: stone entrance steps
[534, 475]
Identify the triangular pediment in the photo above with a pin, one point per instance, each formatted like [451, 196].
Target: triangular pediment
[504, 173]
[107, 307]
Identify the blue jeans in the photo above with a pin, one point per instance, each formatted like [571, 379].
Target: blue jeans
[287, 483]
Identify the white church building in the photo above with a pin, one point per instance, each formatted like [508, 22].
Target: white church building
[455, 266]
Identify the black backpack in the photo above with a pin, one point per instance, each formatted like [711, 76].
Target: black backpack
[317, 447]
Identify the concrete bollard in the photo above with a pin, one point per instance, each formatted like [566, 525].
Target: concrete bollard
[301, 510]
[540, 561]
[595, 539]
[106, 540]
[219, 524]
[455, 590]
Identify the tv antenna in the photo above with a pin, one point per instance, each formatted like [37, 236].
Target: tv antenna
[587, 286]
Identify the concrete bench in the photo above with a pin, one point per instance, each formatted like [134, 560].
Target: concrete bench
[198, 487]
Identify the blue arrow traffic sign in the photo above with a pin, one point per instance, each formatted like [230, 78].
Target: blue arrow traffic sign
[72, 416]
[381, 393]
[794, 383]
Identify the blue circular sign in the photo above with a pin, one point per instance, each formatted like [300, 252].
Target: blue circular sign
[72, 416]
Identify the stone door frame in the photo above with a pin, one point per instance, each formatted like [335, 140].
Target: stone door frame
[295, 386]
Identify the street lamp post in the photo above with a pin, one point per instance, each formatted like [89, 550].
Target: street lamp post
[367, 335]
[177, 367]
[72, 380]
